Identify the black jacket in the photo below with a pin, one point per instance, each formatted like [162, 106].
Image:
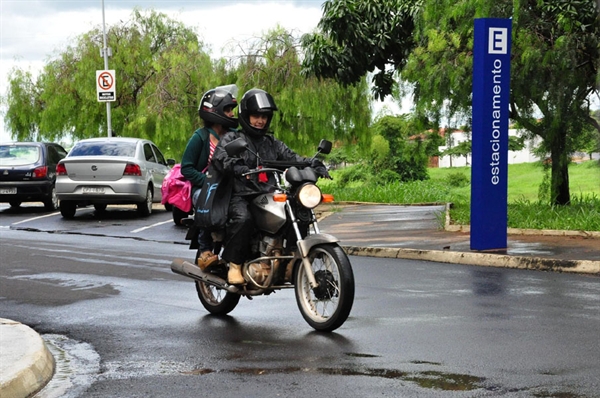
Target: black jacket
[267, 147]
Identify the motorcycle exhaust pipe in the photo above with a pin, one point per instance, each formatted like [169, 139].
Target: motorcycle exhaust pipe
[185, 268]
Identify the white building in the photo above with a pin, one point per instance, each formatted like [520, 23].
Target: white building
[525, 155]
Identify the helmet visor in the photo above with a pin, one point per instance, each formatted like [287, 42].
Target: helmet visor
[261, 102]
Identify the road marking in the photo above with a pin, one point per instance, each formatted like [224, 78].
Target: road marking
[36, 218]
[150, 226]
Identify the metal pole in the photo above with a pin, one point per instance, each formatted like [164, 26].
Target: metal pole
[105, 53]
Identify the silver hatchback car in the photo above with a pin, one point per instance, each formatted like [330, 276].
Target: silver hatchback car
[103, 171]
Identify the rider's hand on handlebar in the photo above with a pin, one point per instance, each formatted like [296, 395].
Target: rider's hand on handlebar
[320, 169]
[240, 169]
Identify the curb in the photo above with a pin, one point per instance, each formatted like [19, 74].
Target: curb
[31, 363]
[480, 259]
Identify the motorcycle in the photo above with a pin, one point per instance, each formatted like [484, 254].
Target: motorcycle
[289, 250]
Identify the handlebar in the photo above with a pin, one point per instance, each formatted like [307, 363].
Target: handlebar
[263, 170]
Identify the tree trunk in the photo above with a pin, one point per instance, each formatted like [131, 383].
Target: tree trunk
[559, 190]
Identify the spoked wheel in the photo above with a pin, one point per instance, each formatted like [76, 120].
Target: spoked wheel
[326, 307]
[217, 301]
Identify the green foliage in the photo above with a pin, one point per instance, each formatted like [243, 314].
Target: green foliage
[551, 71]
[309, 108]
[380, 153]
[162, 71]
[386, 177]
[351, 174]
[356, 37]
[408, 151]
[429, 44]
[457, 179]
[524, 209]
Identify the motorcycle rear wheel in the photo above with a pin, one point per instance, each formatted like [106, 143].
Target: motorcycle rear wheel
[216, 301]
[328, 306]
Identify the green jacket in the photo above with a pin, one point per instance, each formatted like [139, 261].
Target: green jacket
[195, 157]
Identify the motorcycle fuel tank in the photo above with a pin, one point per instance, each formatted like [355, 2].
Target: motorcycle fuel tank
[269, 215]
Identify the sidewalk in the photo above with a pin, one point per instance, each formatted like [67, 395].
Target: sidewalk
[26, 365]
[408, 232]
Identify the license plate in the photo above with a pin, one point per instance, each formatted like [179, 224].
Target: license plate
[93, 190]
[8, 191]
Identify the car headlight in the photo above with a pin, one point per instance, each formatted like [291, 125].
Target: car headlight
[309, 196]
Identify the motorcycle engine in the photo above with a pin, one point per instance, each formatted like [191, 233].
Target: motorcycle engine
[259, 272]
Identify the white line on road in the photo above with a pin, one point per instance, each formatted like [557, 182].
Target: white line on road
[150, 226]
[36, 218]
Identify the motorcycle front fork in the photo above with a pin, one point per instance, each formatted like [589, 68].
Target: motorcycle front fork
[305, 261]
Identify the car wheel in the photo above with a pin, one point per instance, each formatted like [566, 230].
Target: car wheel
[14, 203]
[145, 208]
[51, 203]
[68, 208]
[100, 207]
[168, 207]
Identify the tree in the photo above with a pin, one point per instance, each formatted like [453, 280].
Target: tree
[357, 37]
[408, 147]
[555, 60]
[310, 108]
[162, 71]
[161, 74]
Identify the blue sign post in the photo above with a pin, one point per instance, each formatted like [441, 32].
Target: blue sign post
[489, 170]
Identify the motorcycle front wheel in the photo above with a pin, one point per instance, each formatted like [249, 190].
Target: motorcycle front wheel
[326, 307]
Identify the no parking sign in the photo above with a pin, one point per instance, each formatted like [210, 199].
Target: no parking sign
[106, 85]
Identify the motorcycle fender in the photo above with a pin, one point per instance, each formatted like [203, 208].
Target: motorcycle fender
[305, 245]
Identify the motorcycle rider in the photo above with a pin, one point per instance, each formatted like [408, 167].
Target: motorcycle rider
[216, 111]
[255, 115]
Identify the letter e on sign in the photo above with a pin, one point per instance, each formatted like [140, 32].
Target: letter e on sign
[105, 85]
[498, 41]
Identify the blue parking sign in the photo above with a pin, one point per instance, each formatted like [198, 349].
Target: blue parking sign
[489, 168]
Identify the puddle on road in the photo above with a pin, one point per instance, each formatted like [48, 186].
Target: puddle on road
[428, 379]
[77, 366]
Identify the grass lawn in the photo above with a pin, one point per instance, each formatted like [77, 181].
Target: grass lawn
[452, 185]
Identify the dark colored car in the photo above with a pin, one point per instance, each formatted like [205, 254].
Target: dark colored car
[28, 172]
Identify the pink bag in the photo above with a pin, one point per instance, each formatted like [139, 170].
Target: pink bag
[176, 190]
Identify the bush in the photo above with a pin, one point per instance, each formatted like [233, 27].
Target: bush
[457, 179]
[351, 174]
[386, 177]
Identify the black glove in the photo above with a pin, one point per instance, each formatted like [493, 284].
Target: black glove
[320, 169]
[240, 169]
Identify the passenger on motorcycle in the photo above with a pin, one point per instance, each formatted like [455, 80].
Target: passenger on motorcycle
[216, 111]
[255, 115]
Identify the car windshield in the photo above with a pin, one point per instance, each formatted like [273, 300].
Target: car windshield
[106, 148]
[19, 155]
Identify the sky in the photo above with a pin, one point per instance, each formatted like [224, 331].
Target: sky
[34, 31]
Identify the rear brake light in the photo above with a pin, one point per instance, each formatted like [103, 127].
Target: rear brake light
[40, 172]
[132, 169]
[61, 170]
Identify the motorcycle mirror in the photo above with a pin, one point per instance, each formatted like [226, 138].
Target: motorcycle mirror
[324, 147]
[236, 147]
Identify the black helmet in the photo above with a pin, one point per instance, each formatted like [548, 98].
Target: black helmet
[213, 104]
[256, 101]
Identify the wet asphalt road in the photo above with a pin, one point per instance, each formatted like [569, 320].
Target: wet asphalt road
[121, 324]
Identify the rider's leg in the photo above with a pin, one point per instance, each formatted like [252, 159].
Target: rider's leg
[238, 237]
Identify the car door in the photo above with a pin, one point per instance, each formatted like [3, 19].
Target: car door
[156, 171]
[162, 169]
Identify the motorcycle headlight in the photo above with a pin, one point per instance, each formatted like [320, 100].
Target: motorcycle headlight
[309, 196]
